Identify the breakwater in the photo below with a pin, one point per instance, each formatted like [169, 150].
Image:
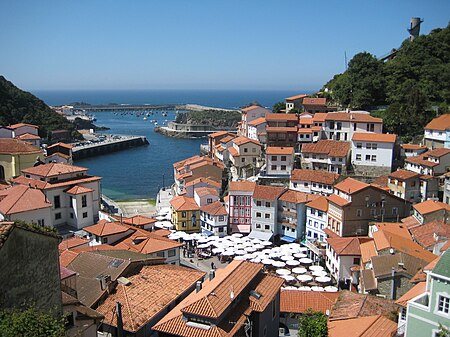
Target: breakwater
[178, 130]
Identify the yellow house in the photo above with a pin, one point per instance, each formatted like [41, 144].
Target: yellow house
[185, 214]
[15, 156]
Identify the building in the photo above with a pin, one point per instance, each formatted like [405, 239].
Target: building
[105, 232]
[431, 308]
[214, 140]
[412, 186]
[309, 127]
[377, 325]
[313, 105]
[430, 210]
[59, 153]
[432, 236]
[249, 114]
[147, 297]
[141, 222]
[292, 215]
[74, 194]
[433, 163]
[26, 204]
[23, 129]
[342, 125]
[295, 102]
[372, 153]
[192, 185]
[265, 211]
[214, 219]
[437, 132]
[326, 155]
[15, 156]
[220, 150]
[30, 139]
[185, 214]
[315, 182]
[240, 206]
[30, 268]
[316, 219]
[354, 204]
[245, 156]
[279, 161]
[240, 297]
[281, 129]
[412, 150]
[205, 196]
[257, 130]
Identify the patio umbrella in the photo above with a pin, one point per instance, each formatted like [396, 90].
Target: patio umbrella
[250, 249]
[331, 289]
[174, 236]
[248, 256]
[305, 260]
[303, 249]
[300, 255]
[237, 235]
[293, 263]
[316, 288]
[202, 246]
[299, 270]
[288, 278]
[217, 250]
[287, 257]
[278, 264]
[267, 261]
[240, 252]
[202, 241]
[315, 268]
[256, 241]
[258, 246]
[167, 225]
[319, 273]
[247, 244]
[160, 217]
[289, 287]
[304, 288]
[159, 224]
[228, 253]
[283, 272]
[266, 243]
[304, 278]
[323, 279]
[239, 258]
[164, 210]
[256, 260]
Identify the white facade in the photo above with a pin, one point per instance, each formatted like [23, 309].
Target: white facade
[264, 215]
[344, 129]
[308, 186]
[339, 266]
[316, 221]
[108, 239]
[205, 199]
[279, 164]
[41, 216]
[372, 153]
[216, 225]
[324, 162]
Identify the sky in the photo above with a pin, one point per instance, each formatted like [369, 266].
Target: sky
[198, 44]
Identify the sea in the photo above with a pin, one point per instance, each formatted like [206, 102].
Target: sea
[139, 173]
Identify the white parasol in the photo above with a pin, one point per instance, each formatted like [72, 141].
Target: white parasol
[299, 270]
[283, 272]
[304, 278]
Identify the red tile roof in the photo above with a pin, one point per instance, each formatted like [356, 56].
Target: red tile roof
[431, 233]
[397, 228]
[320, 116]
[281, 129]
[257, 121]
[67, 146]
[352, 116]
[49, 185]
[295, 301]
[54, 169]
[369, 326]
[281, 117]
[67, 256]
[321, 203]
[105, 228]
[250, 108]
[440, 123]
[296, 97]
[182, 203]
[139, 220]
[347, 246]
[374, 137]
[351, 186]
[241, 140]
[215, 208]
[314, 101]
[430, 206]
[439, 152]
[334, 198]
[204, 191]
[263, 192]
[204, 180]
[148, 294]
[298, 197]
[28, 136]
[403, 174]
[279, 150]
[19, 125]
[20, 198]
[16, 146]
[72, 242]
[413, 147]
[323, 177]
[78, 190]
[246, 186]
[332, 148]
[418, 289]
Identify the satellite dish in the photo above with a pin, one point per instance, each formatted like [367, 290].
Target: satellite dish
[391, 251]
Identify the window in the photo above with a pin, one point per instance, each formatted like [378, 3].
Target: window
[367, 157]
[443, 304]
[160, 254]
[358, 145]
[221, 218]
[71, 215]
[258, 225]
[295, 184]
[374, 146]
[274, 158]
[267, 216]
[283, 158]
[220, 229]
[183, 224]
[57, 201]
[84, 214]
[209, 201]
[267, 204]
[84, 201]
[356, 260]
[267, 227]
[245, 150]
[359, 212]
[374, 157]
[274, 308]
[258, 203]
[370, 127]
[41, 222]
[171, 253]
[242, 160]
[258, 214]
[394, 210]
[283, 167]
[57, 216]
[358, 156]
[105, 240]
[273, 167]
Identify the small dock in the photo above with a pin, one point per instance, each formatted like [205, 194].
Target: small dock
[111, 144]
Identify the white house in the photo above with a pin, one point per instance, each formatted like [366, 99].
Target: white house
[245, 156]
[264, 211]
[257, 129]
[437, 132]
[434, 162]
[205, 196]
[326, 155]
[412, 150]
[214, 219]
[279, 161]
[106, 232]
[313, 181]
[192, 185]
[316, 219]
[250, 114]
[342, 125]
[372, 152]
[75, 195]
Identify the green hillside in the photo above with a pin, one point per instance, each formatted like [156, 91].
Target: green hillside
[18, 106]
[415, 84]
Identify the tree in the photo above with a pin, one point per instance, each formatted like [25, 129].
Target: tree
[313, 324]
[278, 106]
[30, 322]
[443, 331]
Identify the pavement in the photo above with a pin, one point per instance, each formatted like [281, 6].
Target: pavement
[137, 207]
[202, 264]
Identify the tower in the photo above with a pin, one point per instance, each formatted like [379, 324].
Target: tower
[414, 28]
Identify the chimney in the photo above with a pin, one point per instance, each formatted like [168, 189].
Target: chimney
[393, 292]
[198, 286]
[212, 273]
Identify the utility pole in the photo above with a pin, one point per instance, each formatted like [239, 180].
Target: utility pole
[119, 319]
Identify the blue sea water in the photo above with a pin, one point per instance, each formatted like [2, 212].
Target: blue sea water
[138, 173]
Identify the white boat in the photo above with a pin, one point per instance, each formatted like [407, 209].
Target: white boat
[145, 118]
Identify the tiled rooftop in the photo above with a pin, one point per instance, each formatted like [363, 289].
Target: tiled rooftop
[295, 301]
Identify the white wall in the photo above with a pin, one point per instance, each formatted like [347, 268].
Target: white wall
[276, 160]
[315, 223]
[383, 154]
[262, 223]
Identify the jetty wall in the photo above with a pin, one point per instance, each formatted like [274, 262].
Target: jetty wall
[96, 149]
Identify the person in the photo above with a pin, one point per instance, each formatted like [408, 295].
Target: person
[213, 266]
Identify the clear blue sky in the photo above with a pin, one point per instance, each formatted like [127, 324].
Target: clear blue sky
[198, 44]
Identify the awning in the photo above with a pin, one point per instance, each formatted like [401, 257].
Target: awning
[287, 238]
[206, 232]
[263, 236]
